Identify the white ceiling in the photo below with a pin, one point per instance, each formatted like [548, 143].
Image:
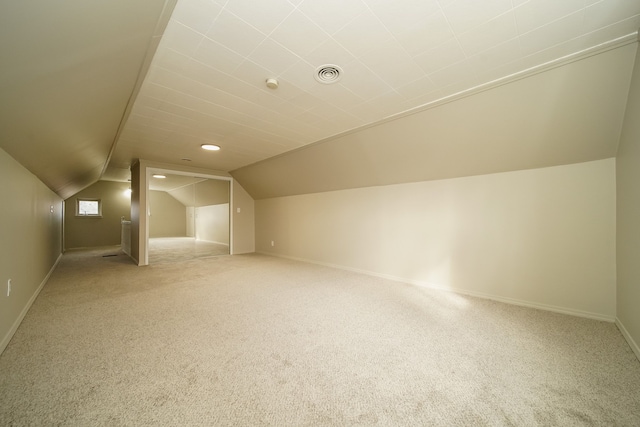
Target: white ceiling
[206, 83]
[71, 113]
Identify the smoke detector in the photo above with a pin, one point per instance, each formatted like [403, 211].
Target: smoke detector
[327, 74]
[272, 83]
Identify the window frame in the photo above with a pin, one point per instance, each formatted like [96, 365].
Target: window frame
[88, 199]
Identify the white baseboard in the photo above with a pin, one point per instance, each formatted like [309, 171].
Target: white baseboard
[523, 303]
[213, 241]
[5, 341]
[627, 336]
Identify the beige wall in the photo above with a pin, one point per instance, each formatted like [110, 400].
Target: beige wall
[243, 212]
[31, 241]
[628, 218]
[167, 215]
[84, 232]
[138, 216]
[542, 237]
[212, 223]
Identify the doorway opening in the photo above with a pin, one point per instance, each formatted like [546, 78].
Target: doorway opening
[189, 216]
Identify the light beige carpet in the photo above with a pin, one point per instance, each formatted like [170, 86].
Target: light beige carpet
[171, 249]
[254, 340]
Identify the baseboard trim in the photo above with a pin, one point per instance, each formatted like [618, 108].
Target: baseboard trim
[506, 300]
[5, 341]
[213, 241]
[627, 336]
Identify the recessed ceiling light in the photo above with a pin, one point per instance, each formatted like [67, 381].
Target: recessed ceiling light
[210, 147]
[159, 176]
[327, 74]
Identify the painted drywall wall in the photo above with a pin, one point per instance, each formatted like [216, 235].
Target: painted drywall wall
[191, 221]
[540, 237]
[212, 223]
[167, 216]
[138, 216]
[243, 212]
[31, 243]
[628, 218]
[87, 232]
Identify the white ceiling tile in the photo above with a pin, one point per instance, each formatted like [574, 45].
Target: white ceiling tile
[611, 32]
[203, 73]
[273, 56]
[148, 101]
[300, 74]
[497, 56]
[360, 80]
[196, 14]
[535, 13]
[416, 88]
[299, 34]
[429, 33]
[552, 34]
[464, 15]
[235, 34]
[608, 12]
[171, 59]
[329, 52]
[489, 34]
[304, 101]
[217, 56]
[153, 90]
[263, 15]
[253, 74]
[398, 15]
[393, 64]
[386, 104]
[444, 3]
[366, 112]
[336, 95]
[505, 70]
[180, 38]
[323, 13]
[460, 71]
[352, 36]
[442, 56]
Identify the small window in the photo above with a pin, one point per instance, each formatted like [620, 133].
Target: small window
[88, 207]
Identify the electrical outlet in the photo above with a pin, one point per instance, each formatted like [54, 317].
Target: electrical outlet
[273, 243]
[8, 287]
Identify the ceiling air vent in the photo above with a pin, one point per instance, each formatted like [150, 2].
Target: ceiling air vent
[328, 74]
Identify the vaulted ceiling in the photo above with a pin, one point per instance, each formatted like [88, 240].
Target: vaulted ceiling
[89, 86]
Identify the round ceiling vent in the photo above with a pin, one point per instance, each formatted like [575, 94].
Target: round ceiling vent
[328, 74]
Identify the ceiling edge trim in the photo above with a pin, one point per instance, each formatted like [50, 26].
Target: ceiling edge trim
[556, 63]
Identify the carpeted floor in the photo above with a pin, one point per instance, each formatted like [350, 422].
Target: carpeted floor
[254, 340]
[172, 249]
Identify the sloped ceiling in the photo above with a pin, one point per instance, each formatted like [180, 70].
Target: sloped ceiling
[206, 84]
[68, 71]
[568, 114]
